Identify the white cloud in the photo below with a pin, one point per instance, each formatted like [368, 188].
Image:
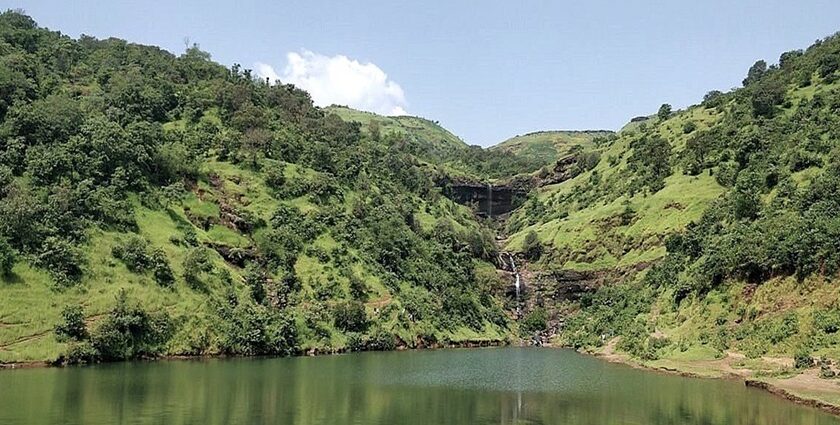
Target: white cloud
[340, 80]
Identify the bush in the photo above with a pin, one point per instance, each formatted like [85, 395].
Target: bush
[134, 253]
[531, 246]
[358, 288]
[249, 329]
[802, 359]
[62, 259]
[350, 316]
[80, 352]
[72, 326]
[255, 278]
[130, 332]
[196, 262]
[7, 257]
[274, 177]
[161, 269]
[535, 321]
[381, 340]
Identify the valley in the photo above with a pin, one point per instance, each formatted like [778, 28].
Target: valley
[160, 205]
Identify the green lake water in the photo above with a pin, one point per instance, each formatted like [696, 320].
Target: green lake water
[458, 386]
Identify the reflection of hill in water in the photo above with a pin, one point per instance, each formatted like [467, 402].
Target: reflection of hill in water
[464, 386]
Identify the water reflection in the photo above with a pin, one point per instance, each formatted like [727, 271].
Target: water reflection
[487, 386]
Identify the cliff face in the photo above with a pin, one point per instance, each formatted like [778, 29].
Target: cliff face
[490, 201]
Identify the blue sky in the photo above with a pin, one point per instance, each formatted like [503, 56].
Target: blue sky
[487, 70]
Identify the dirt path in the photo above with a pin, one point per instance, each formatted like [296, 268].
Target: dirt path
[23, 339]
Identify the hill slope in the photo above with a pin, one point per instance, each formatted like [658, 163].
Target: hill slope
[711, 229]
[157, 204]
[427, 137]
[546, 147]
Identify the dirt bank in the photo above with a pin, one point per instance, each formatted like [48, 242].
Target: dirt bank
[775, 375]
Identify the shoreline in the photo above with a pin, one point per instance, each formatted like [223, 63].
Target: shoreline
[785, 388]
[309, 352]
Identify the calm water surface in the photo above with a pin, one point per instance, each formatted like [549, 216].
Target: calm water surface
[478, 386]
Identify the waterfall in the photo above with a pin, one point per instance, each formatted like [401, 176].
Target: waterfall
[517, 282]
[489, 200]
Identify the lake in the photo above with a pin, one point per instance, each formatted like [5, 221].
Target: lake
[453, 386]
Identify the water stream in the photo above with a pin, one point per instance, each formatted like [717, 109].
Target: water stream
[517, 282]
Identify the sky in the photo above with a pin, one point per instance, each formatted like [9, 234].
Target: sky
[486, 70]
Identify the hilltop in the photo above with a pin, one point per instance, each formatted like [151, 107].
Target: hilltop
[545, 147]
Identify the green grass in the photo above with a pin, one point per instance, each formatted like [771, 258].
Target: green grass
[593, 238]
[418, 129]
[548, 146]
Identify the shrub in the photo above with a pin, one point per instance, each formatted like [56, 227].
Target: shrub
[249, 329]
[534, 321]
[196, 262]
[62, 259]
[80, 352]
[7, 257]
[274, 177]
[255, 278]
[358, 288]
[134, 253]
[72, 326]
[531, 246]
[802, 359]
[350, 316]
[130, 332]
[161, 269]
[381, 340]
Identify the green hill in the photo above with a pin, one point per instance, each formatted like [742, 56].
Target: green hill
[154, 204]
[546, 147]
[438, 148]
[428, 137]
[710, 229]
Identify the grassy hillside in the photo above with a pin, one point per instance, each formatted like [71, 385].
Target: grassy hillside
[730, 209]
[426, 136]
[157, 204]
[600, 219]
[545, 147]
[439, 149]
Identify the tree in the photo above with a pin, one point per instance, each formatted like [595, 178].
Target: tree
[72, 326]
[713, 99]
[664, 112]
[161, 268]
[129, 332]
[765, 96]
[651, 161]
[531, 246]
[7, 257]
[755, 72]
[350, 316]
[256, 279]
